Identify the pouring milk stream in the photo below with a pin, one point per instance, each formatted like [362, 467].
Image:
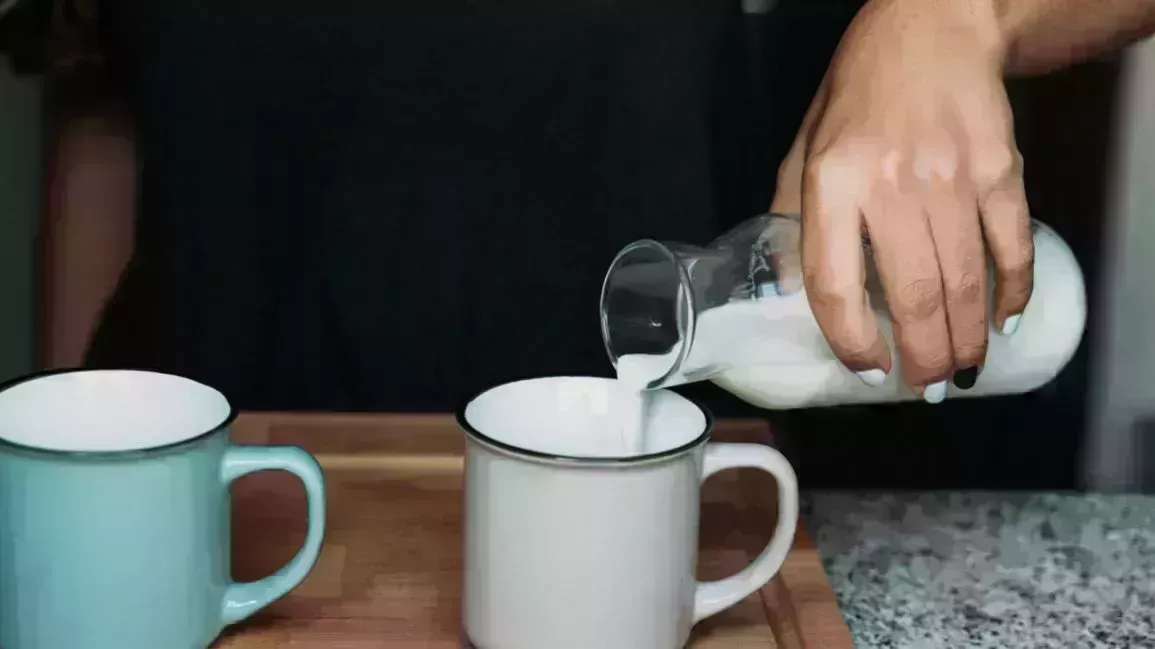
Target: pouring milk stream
[735, 313]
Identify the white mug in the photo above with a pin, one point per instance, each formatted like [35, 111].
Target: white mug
[571, 542]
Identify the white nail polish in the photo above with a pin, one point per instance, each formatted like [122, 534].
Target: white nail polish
[873, 378]
[1011, 324]
[935, 392]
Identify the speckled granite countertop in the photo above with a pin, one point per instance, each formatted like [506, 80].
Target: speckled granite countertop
[961, 570]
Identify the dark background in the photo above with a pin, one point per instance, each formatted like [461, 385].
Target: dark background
[767, 73]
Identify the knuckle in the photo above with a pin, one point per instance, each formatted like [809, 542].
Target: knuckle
[854, 343]
[855, 355]
[970, 353]
[827, 301]
[994, 163]
[967, 290]
[968, 332]
[937, 163]
[927, 364]
[1021, 261]
[835, 169]
[926, 352]
[850, 344]
[1016, 275]
[1014, 298]
[891, 166]
[919, 299]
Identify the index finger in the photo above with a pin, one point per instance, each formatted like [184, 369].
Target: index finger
[834, 266]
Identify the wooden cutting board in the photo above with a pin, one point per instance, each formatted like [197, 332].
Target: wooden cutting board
[390, 572]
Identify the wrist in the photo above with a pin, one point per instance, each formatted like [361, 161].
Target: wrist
[1006, 20]
[989, 22]
[986, 24]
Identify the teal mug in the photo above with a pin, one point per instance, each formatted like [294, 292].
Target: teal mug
[114, 512]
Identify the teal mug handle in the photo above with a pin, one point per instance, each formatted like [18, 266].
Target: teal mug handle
[242, 600]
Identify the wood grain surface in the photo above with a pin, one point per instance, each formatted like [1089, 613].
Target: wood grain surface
[390, 572]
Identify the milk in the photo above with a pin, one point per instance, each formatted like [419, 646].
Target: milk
[771, 353]
[636, 372]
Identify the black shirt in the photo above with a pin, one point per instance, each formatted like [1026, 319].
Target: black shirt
[353, 205]
[359, 205]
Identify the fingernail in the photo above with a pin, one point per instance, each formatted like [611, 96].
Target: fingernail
[1011, 324]
[873, 378]
[965, 379]
[935, 392]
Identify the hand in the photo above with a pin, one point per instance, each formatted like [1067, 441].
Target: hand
[910, 141]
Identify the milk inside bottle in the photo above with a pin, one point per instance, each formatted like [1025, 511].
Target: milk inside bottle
[735, 312]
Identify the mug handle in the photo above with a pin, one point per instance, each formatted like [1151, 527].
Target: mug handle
[242, 600]
[712, 597]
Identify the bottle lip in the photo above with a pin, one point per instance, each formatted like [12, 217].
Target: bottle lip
[685, 307]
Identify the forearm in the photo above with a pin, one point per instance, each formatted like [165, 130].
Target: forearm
[1044, 35]
[88, 235]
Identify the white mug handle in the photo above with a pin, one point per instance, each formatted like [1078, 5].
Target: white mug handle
[712, 597]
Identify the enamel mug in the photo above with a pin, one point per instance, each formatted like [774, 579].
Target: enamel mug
[577, 537]
[114, 512]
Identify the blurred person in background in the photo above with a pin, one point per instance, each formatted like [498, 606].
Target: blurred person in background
[383, 206]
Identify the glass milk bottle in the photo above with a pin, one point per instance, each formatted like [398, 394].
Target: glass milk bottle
[735, 312]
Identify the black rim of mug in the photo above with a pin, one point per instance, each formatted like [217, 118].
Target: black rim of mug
[151, 450]
[517, 451]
